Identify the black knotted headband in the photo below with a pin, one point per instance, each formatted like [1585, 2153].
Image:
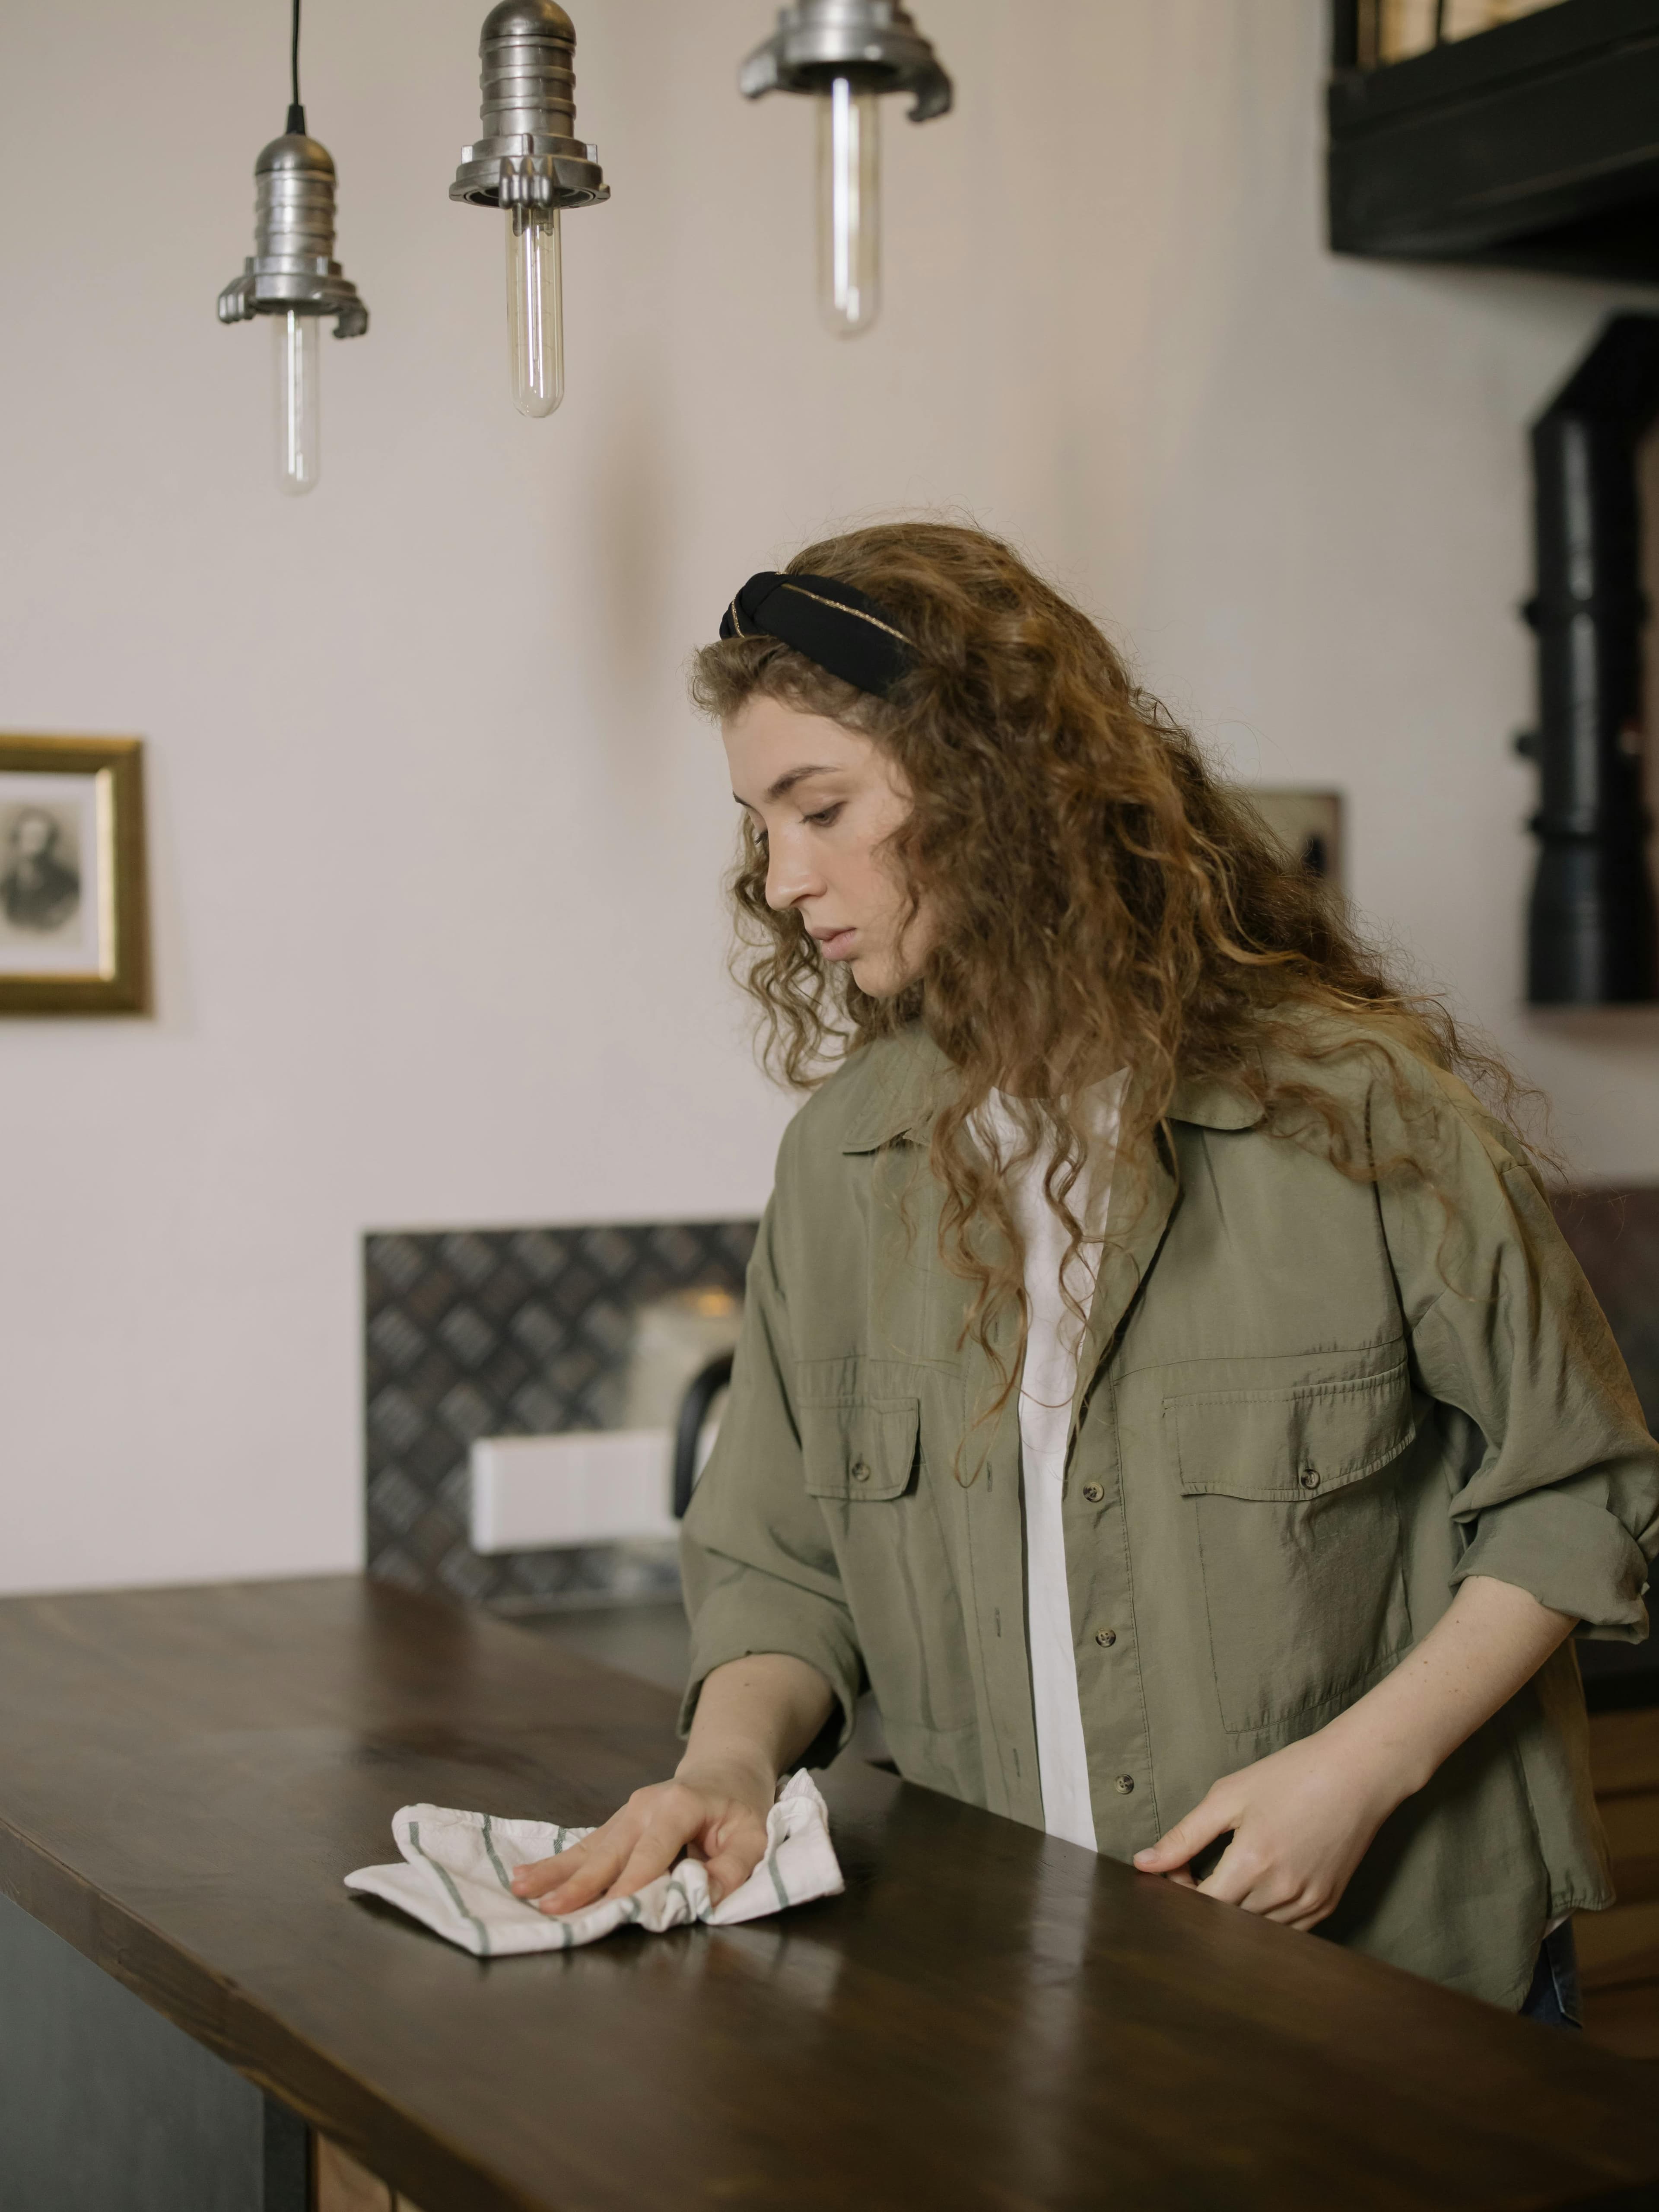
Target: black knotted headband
[828, 621]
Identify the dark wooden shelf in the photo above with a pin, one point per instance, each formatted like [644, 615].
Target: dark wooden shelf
[1534, 145]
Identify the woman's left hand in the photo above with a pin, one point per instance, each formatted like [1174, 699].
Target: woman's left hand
[1302, 1820]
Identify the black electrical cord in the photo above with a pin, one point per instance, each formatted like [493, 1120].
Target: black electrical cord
[297, 114]
[1439, 23]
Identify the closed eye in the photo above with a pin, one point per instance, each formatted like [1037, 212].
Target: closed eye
[825, 815]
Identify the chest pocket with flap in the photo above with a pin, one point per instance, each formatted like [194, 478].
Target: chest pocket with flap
[1299, 1532]
[860, 1450]
[862, 1460]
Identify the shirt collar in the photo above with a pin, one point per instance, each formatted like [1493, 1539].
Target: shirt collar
[907, 1080]
[908, 1077]
[1213, 1104]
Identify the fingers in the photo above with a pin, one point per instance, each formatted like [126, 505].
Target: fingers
[643, 1841]
[731, 1846]
[1309, 1917]
[1305, 1910]
[734, 1858]
[1234, 1878]
[656, 1851]
[590, 1864]
[537, 1878]
[1210, 1817]
[633, 1847]
[1260, 1885]
[598, 1856]
[1243, 1876]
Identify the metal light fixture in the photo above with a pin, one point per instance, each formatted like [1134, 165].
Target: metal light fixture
[846, 53]
[292, 276]
[529, 163]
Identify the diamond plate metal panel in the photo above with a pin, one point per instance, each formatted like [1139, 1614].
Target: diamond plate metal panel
[512, 1331]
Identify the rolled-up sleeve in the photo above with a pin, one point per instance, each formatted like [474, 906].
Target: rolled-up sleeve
[758, 1569]
[1563, 1500]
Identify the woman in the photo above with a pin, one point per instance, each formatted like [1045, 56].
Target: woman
[1162, 1383]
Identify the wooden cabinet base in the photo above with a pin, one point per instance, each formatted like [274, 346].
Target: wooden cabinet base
[343, 2185]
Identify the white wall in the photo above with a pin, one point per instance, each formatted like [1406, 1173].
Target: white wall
[434, 838]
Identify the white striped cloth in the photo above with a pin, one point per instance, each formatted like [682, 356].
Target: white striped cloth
[456, 1868]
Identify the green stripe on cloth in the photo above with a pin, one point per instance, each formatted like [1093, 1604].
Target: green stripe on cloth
[772, 1868]
[442, 1873]
[489, 1845]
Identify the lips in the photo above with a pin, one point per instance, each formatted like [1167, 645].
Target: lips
[836, 942]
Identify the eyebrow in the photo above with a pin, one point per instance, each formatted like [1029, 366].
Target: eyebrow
[788, 782]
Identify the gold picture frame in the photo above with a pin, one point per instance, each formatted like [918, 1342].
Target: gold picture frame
[74, 901]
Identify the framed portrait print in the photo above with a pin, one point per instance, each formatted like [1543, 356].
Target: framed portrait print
[1308, 823]
[73, 903]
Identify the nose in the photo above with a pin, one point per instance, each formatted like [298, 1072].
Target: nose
[790, 876]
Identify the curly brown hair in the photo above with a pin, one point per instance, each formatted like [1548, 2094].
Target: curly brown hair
[1100, 900]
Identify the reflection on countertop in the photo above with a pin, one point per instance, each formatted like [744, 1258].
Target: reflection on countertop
[651, 1641]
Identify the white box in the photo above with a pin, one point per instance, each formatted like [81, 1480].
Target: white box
[604, 1486]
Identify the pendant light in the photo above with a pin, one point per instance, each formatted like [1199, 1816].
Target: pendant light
[846, 53]
[529, 163]
[292, 277]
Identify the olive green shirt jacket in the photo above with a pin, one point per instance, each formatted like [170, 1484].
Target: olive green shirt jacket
[1308, 1407]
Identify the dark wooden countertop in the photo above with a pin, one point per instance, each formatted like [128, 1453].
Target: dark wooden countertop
[987, 2018]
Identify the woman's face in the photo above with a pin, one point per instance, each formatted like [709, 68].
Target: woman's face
[826, 800]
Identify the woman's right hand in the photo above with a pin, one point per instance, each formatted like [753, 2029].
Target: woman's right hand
[755, 1716]
[716, 1813]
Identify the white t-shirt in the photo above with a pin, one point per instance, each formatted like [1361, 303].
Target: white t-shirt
[1047, 1386]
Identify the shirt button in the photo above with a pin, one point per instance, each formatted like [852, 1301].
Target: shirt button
[1105, 1638]
[1309, 1477]
[1094, 1492]
[862, 1470]
[1124, 1786]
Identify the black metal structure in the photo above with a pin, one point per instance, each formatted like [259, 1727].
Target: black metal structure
[106, 2103]
[1535, 145]
[1590, 932]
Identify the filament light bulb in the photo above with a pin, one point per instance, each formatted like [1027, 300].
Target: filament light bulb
[535, 309]
[299, 401]
[529, 162]
[848, 53]
[292, 279]
[850, 208]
